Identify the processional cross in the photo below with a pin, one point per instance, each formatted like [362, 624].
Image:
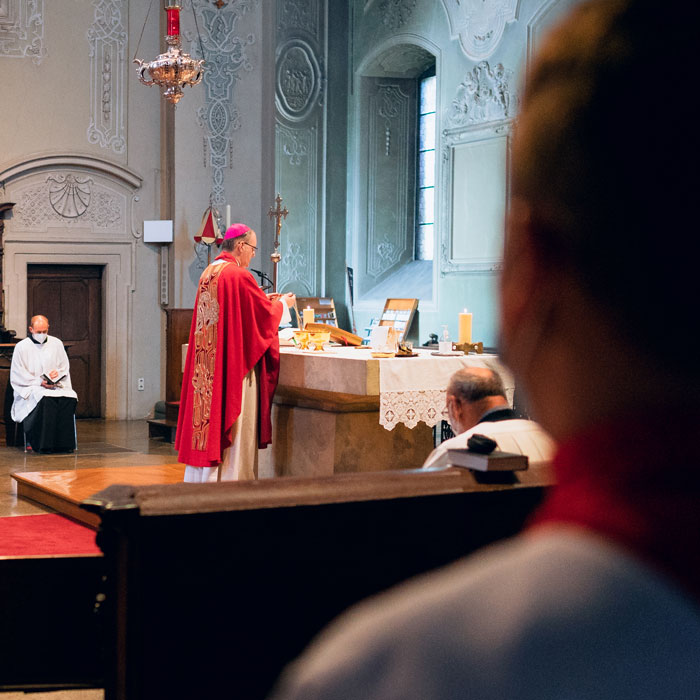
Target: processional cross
[276, 256]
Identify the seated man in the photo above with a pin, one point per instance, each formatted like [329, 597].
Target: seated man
[44, 399]
[476, 403]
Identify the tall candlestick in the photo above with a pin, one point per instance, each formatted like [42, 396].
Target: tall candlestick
[465, 327]
[228, 216]
[307, 316]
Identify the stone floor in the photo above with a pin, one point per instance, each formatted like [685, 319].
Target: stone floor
[100, 443]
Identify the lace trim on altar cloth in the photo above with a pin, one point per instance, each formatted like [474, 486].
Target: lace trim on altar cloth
[411, 407]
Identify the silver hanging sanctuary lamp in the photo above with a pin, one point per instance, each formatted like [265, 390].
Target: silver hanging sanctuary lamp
[173, 69]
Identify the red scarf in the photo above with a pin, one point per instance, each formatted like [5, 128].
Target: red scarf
[636, 482]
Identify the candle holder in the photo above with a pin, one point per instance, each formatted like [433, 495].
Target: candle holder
[466, 348]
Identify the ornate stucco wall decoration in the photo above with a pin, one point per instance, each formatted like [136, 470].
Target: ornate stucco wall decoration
[405, 60]
[107, 38]
[390, 97]
[300, 48]
[296, 268]
[298, 81]
[295, 143]
[483, 96]
[387, 179]
[226, 56]
[65, 199]
[478, 24]
[22, 29]
[70, 195]
[387, 253]
[395, 13]
[298, 14]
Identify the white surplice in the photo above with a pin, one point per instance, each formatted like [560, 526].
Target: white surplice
[523, 437]
[29, 361]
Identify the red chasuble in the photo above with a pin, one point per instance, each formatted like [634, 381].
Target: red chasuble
[234, 327]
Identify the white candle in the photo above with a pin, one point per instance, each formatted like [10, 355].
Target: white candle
[228, 215]
[308, 315]
[465, 327]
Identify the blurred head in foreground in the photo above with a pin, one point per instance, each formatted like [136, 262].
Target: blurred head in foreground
[599, 286]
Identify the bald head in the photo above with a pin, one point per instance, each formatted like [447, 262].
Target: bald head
[39, 324]
[471, 392]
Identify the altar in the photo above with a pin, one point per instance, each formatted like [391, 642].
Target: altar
[342, 410]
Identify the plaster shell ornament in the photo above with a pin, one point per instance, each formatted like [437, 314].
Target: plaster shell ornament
[69, 195]
[173, 69]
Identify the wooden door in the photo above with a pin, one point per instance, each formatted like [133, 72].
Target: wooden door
[70, 296]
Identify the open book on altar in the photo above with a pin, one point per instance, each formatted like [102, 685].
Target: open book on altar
[337, 334]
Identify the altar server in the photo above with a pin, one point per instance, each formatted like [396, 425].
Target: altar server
[476, 404]
[231, 368]
[600, 597]
[44, 400]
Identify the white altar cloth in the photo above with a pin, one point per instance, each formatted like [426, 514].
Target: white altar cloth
[410, 389]
[413, 389]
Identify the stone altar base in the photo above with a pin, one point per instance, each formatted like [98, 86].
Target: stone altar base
[319, 433]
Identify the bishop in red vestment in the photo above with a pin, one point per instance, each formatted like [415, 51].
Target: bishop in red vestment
[232, 366]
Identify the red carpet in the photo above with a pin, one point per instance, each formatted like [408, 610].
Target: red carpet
[31, 535]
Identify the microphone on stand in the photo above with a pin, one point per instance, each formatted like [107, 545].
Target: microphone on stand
[263, 278]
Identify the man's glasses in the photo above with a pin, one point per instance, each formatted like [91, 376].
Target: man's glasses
[254, 247]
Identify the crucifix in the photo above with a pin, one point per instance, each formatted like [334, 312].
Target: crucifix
[276, 256]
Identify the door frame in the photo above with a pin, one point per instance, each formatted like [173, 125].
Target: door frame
[94, 398]
[116, 258]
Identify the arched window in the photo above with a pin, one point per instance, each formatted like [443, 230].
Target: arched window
[394, 183]
[425, 176]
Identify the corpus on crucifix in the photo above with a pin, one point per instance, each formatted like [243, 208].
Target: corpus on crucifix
[278, 213]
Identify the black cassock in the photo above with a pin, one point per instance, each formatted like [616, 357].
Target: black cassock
[50, 426]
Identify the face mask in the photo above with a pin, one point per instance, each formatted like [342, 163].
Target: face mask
[39, 337]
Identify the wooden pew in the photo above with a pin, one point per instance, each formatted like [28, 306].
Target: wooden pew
[212, 589]
[51, 637]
